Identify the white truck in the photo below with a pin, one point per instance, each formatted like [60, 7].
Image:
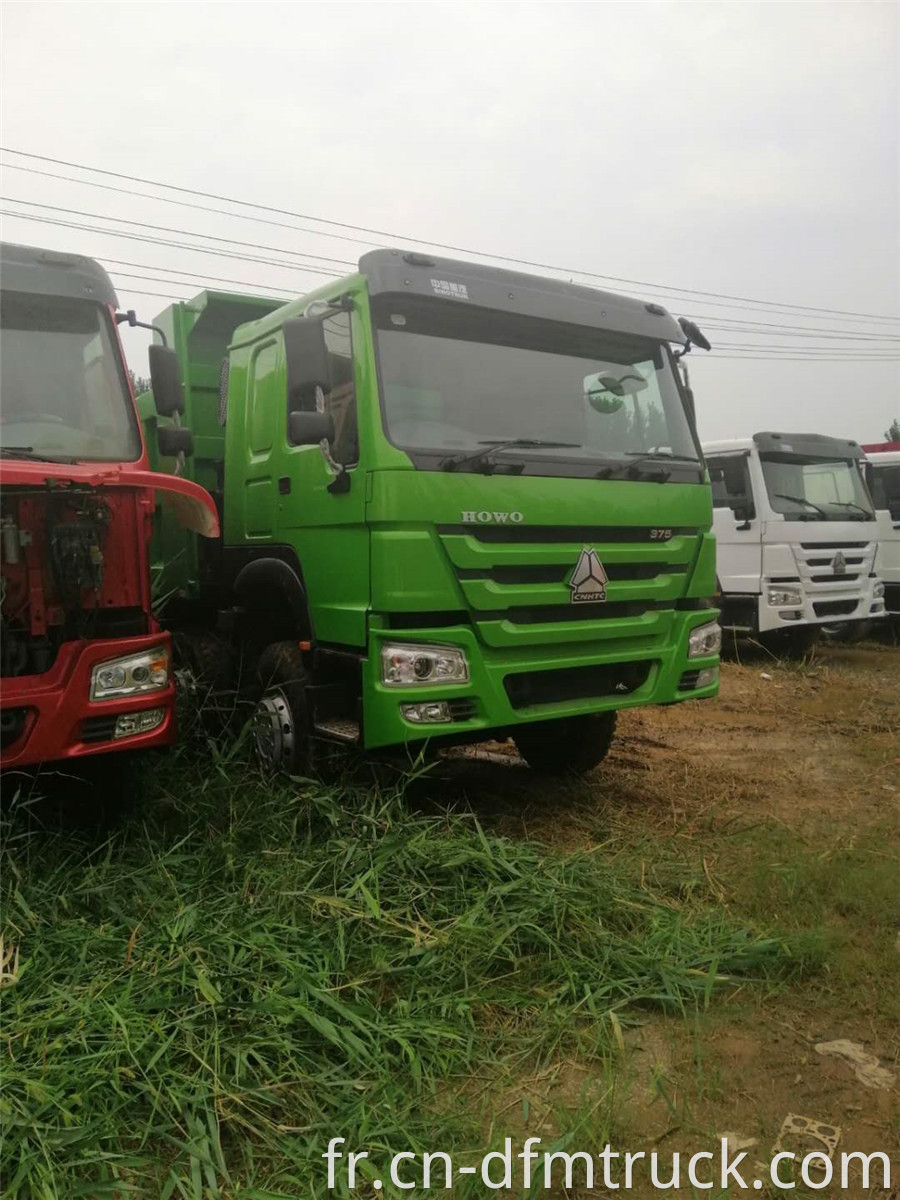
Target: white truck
[883, 473]
[796, 535]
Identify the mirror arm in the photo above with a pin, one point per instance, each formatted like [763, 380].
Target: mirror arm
[131, 318]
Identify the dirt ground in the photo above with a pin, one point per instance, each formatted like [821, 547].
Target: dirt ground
[786, 794]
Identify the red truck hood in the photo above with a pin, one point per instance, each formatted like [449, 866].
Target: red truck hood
[191, 504]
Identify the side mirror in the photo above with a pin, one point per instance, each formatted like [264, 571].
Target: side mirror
[716, 475]
[306, 360]
[165, 380]
[310, 428]
[173, 440]
[743, 510]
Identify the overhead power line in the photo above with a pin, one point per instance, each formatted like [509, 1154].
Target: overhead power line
[439, 245]
[78, 212]
[137, 237]
[717, 317]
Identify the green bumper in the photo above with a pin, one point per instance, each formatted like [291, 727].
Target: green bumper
[649, 658]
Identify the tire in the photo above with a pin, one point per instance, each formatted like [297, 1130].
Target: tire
[846, 631]
[205, 675]
[569, 746]
[280, 723]
[790, 643]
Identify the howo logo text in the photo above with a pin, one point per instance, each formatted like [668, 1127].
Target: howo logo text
[492, 518]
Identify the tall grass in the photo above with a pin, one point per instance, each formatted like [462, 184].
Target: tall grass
[247, 969]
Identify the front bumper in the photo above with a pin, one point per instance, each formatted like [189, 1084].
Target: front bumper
[648, 665]
[51, 716]
[827, 604]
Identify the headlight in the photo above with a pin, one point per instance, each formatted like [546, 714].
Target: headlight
[705, 640]
[409, 666]
[131, 675]
[781, 597]
[878, 590]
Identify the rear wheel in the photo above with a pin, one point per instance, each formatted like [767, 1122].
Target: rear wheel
[570, 746]
[281, 728]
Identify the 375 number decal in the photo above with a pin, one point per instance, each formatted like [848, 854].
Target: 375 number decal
[660, 535]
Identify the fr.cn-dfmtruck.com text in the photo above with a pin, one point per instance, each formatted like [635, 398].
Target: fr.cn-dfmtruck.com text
[610, 1169]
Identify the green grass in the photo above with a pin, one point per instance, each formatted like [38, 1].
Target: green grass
[246, 969]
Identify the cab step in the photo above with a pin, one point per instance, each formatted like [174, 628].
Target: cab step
[343, 729]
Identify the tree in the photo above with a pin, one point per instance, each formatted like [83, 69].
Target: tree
[892, 433]
[139, 384]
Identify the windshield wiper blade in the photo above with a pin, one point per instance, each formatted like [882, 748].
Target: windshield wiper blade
[867, 514]
[482, 456]
[802, 500]
[30, 455]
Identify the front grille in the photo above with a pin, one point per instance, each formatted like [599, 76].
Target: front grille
[833, 545]
[12, 725]
[98, 729]
[531, 688]
[586, 535]
[832, 577]
[560, 573]
[539, 614]
[834, 608]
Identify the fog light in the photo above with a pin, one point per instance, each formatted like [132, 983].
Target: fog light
[778, 597]
[426, 714]
[791, 615]
[128, 724]
[410, 665]
[705, 640]
[707, 677]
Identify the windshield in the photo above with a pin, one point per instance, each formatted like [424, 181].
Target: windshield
[805, 488]
[886, 487]
[456, 379]
[64, 392]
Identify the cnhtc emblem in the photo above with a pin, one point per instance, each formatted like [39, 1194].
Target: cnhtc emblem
[839, 564]
[588, 581]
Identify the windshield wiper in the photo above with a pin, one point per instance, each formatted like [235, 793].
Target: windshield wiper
[867, 515]
[640, 456]
[802, 500]
[30, 455]
[482, 456]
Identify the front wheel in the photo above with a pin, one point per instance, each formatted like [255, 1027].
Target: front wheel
[569, 746]
[281, 730]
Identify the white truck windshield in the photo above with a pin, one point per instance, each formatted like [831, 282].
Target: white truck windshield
[455, 380]
[64, 392]
[806, 488]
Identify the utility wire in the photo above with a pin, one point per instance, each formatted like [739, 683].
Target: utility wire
[440, 245]
[343, 262]
[137, 237]
[78, 212]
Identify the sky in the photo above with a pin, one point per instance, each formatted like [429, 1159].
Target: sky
[747, 150]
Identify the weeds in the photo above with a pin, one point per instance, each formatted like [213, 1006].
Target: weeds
[248, 969]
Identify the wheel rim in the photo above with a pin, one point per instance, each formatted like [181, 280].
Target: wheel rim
[274, 735]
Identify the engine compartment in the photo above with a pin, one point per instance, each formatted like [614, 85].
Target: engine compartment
[70, 569]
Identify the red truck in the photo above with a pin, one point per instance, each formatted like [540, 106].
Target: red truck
[85, 669]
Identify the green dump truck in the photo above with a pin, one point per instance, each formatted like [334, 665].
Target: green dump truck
[459, 503]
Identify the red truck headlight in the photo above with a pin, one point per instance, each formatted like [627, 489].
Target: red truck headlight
[131, 675]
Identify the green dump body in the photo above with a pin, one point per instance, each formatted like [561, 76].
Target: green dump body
[408, 549]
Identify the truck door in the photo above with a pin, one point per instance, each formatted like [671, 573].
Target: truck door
[321, 513]
[736, 525]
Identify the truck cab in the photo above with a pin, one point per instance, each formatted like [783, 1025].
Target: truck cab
[883, 473]
[458, 503]
[85, 666]
[796, 534]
